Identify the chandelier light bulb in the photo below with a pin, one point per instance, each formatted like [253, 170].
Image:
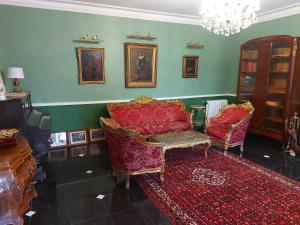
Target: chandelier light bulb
[227, 17]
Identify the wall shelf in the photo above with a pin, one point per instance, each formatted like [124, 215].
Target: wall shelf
[88, 39]
[194, 45]
[141, 36]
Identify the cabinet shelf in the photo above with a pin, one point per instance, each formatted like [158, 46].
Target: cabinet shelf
[250, 60]
[246, 89]
[274, 119]
[274, 106]
[276, 91]
[273, 130]
[280, 56]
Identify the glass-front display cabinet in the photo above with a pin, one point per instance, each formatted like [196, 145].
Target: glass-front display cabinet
[269, 78]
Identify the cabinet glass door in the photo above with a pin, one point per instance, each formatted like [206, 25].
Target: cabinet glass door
[277, 81]
[248, 74]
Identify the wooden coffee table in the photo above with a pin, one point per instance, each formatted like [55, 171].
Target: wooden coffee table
[183, 139]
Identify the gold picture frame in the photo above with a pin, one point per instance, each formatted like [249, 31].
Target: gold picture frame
[190, 66]
[91, 65]
[140, 65]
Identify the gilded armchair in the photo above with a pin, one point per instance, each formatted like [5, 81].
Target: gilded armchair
[230, 126]
[130, 153]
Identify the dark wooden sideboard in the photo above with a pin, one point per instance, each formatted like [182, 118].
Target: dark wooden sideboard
[17, 172]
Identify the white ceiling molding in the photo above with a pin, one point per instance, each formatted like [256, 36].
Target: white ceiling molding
[109, 10]
[281, 12]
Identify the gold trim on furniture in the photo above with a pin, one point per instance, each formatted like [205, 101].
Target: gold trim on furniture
[225, 143]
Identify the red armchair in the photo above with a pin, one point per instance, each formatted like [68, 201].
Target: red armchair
[130, 153]
[230, 126]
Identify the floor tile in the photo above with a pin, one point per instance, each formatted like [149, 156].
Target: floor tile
[133, 216]
[106, 220]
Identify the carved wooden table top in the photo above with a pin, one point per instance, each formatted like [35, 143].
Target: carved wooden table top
[182, 139]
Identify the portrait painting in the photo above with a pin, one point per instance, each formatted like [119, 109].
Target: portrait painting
[140, 65]
[190, 66]
[91, 65]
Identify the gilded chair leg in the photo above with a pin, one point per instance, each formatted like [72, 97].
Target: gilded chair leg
[226, 149]
[115, 176]
[242, 149]
[127, 181]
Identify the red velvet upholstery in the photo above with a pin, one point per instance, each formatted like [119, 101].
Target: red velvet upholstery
[151, 118]
[230, 126]
[130, 153]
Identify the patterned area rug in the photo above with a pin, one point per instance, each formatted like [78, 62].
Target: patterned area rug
[221, 190]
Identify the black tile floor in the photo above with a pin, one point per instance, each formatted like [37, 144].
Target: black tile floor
[68, 195]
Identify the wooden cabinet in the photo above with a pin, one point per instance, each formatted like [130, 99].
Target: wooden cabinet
[269, 77]
[17, 171]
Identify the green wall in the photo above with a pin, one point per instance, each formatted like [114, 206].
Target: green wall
[42, 42]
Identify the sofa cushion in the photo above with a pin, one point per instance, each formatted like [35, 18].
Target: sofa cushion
[151, 129]
[157, 112]
[233, 115]
[217, 131]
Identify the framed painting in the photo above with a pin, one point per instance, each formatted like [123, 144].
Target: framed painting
[96, 134]
[77, 137]
[2, 89]
[58, 140]
[91, 65]
[140, 65]
[190, 66]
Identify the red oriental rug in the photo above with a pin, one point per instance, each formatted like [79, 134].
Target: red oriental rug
[221, 190]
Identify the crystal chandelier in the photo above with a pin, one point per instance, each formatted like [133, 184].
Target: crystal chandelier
[227, 17]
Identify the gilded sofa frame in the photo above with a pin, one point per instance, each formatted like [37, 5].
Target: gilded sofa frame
[226, 143]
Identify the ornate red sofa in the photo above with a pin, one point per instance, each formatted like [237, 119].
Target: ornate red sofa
[130, 124]
[230, 126]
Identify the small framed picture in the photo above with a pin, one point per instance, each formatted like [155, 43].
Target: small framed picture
[58, 140]
[96, 134]
[2, 89]
[77, 137]
[190, 66]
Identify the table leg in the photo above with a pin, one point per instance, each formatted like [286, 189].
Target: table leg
[162, 158]
[206, 148]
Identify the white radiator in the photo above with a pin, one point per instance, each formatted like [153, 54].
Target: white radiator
[213, 107]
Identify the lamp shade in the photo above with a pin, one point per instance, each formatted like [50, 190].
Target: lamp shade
[15, 72]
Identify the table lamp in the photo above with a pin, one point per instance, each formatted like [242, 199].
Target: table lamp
[15, 73]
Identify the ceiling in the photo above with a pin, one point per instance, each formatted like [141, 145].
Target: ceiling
[176, 11]
[186, 7]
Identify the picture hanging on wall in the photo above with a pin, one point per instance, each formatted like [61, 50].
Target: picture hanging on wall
[140, 65]
[190, 66]
[91, 65]
[2, 88]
